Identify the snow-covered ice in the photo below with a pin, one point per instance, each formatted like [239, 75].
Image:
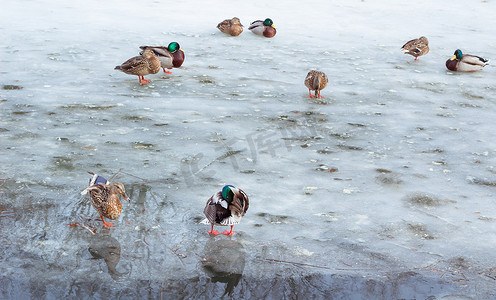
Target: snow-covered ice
[384, 189]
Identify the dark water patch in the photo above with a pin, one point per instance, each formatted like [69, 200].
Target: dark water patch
[484, 218]
[4, 130]
[352, 148]
[63, 163]
[21, 113]
[446, 115]
[25, 135]
[420, 230]
[10, 87]
[205, 79]
[481, 181]
[274, 219]
[87, 107]
[210, 283]
[143, 145]
[319, 101]
[472, 96]
[435, 150]
[385, 171]
[389, 179]
[134, 118]
[64, 139]
[469, 105]
[426, 200]
[247, 171]
[315, 117]
[341, 136]
[357, 125]
[326, 150]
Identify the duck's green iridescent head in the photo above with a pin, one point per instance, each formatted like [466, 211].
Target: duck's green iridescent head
[173, 47]
[227, 193]
[458, 53]
[268, 22]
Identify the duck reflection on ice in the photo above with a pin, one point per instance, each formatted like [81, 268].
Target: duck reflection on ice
[224, 261]
[103, 246]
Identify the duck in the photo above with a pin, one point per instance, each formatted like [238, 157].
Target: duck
[265, 28]
[465, 62]
[144, 64]
[104, 197]
[316, 81]
[232, 27]
[416, 47]
[170, 57]
[226, 208]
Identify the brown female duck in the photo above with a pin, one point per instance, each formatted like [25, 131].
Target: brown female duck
[225, 208]
[232, 27]
[105, 199]
[416, 47]
[146, 63]
[316, 81]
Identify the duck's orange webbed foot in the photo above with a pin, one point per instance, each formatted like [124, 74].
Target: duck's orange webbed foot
[167, 72]
[107, 225]
[229, 232]
[310, 94]
[142, 80]
[212, 231]
[320, 96]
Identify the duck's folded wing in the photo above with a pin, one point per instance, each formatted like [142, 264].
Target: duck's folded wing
[255, 24]
[210, 211]
[474, 60]
[241, 202]
[133, 63]
[160, 51]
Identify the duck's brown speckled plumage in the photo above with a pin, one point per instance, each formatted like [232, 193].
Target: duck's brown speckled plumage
[144, 64]
[232, 26]
[316, 81]
[105, 199]
[416, 47]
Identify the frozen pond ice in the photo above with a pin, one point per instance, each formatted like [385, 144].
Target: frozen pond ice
[384, 189]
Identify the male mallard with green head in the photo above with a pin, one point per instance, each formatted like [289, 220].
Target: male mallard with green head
[232, 27]
[104, 197]
[416, 47]
[316, 81]
[144, 64]
[465, 62]
[225, 208]
[265, 28]
[170, 57]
